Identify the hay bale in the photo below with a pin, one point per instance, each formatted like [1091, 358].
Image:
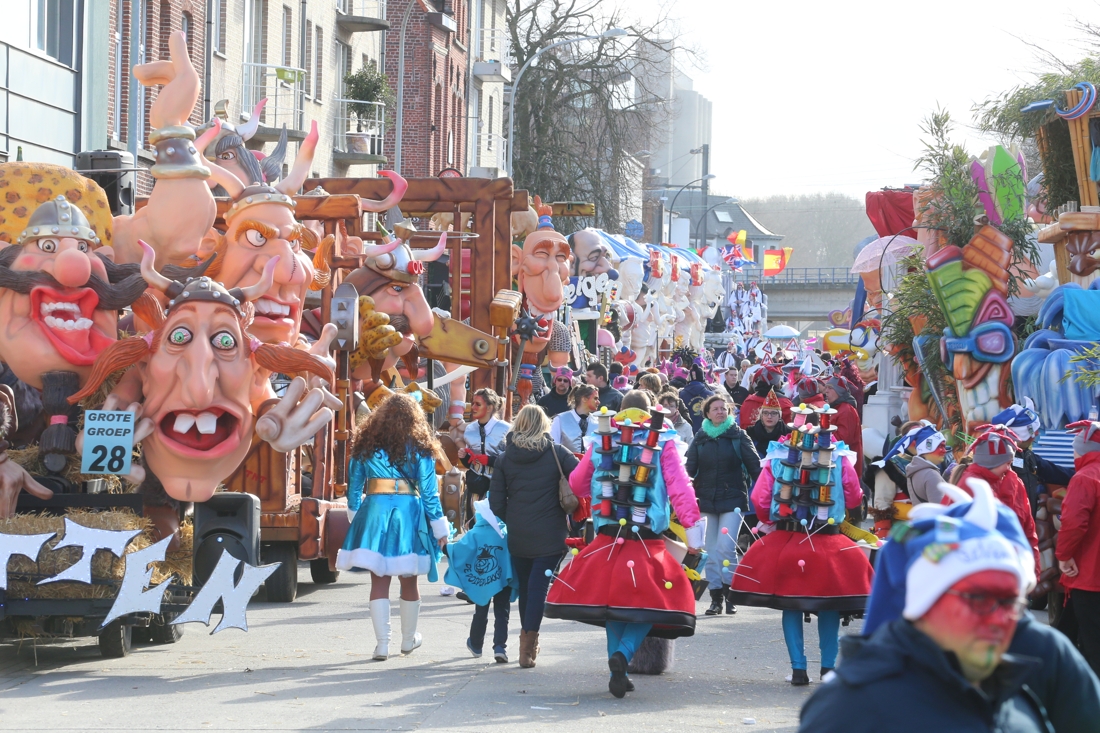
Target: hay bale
[107, 570]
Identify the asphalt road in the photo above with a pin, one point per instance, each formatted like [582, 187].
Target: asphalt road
[307, 666]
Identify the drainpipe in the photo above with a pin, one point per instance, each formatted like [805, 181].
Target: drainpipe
[209, 60]
[302, 65]
[401, 87]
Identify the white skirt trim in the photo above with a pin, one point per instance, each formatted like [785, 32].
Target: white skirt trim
[403, 565]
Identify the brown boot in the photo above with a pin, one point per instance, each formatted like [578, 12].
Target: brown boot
[527, 652]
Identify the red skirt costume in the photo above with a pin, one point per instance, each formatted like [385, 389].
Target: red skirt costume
[804, 567]
[626, 573]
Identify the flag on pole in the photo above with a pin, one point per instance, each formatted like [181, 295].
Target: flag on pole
[775, 260]
[738, 240]
[734, 257]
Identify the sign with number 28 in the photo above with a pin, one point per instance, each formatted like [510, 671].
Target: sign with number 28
[108, 441]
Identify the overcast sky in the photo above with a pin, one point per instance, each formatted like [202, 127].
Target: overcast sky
[829, 96]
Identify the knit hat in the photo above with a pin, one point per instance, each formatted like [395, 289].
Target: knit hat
[807, 388]
[620, 382]
[928, 440]
[994, 446]
[842, 386]
[943, 545]
[561, 373]
[1087, 439]
[1022, 419]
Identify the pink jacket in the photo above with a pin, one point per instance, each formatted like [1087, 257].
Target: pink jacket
[677, 483]
[762, 491]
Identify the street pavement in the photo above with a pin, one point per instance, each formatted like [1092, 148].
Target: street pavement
[307, 666]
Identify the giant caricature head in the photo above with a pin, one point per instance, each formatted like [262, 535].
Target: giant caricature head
[228, 150]
[59, 301]
[542, 266]
[591, 255]
[203, 379]
[390, 277]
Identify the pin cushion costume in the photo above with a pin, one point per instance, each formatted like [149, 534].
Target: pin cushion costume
[802, 565]
[397, 519]
[626, 580]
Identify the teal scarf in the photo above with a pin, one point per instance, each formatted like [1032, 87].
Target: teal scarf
[715, 430]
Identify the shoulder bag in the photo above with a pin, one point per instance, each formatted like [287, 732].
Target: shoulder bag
[566, 497]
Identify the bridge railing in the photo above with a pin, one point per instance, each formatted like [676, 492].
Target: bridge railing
[798, 276]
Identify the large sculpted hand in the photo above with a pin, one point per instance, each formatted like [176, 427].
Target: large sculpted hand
[14, 479]
[297, 417]
[175, 101]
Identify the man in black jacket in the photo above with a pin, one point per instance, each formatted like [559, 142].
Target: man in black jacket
[723, 466]
[556, 401]
[948, 594]
[596, 375]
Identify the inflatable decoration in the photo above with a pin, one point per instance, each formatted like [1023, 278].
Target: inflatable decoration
[1042, 370]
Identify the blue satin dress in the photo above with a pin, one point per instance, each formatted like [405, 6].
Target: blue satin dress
[393, 534]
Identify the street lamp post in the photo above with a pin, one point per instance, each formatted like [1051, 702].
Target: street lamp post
[672, 208]
[609, 33]
[703, 219]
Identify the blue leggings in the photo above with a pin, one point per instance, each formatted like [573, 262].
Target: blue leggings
[828, 632]
[625, 638]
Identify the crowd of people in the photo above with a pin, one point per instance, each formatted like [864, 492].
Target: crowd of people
[748, 481]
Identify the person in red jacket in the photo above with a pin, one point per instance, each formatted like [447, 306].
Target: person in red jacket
[766, 378]
[1078, 547]
[849, 429]
[993, 449]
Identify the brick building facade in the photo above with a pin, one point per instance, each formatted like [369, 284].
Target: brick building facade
[434, 130]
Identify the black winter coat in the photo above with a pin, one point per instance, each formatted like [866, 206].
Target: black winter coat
[1064, 683]
[900, 681]
[715, 466]
[524, 494]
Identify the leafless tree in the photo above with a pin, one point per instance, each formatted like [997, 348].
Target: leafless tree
[583, 110]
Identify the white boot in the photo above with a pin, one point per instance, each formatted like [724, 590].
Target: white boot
[380, 617]
[410, 613]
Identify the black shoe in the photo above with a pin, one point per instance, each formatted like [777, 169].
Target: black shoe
[730, 608]
[825, 671]
[715, 603]
[461, 595]
[619, 684]
[799, 678]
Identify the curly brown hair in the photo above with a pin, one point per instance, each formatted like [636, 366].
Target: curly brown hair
[399, 428]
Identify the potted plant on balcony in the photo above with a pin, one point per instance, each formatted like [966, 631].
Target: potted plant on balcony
[364, 91]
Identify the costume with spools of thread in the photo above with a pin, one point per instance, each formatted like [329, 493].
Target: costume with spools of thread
[802, 561]
[626, 580]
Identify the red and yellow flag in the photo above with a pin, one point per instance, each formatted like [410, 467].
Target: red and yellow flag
[775, 260]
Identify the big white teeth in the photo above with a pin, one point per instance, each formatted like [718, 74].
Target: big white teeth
[207, 423]
[271, 308]
[48, 308]
[184, 421]
[80, 324]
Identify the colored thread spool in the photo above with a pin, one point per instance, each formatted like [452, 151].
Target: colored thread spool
[624, 472]
[642, 474]
[823, 513]
[796, 436]
[638, 515]
[792, 455]
[605, 442]
[824, 439]
[622, 512]
[607, 462]
[807, 441]
[785, 492]
[825, 493]
[605, 508]
[807, 459]
[826, 420]
[603, 420]
[804, 476]
[639, 494]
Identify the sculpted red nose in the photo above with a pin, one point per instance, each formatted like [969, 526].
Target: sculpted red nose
[72, 268]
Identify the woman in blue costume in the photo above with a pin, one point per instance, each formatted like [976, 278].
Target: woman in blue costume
[397, 523]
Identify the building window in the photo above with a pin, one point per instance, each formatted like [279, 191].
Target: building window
[307, 62]
[489, 135]
[319, 63]
[343, 66]
[724, 217]
[52, 28]
[217, 31]
[288, 35]
[185, 26]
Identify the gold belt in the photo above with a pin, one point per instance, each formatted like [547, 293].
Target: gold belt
[389, 486]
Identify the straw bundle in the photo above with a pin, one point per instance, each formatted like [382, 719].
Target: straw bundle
[107, 570]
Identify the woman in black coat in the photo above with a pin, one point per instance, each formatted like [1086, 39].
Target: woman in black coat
[524, 495]
[723, 465]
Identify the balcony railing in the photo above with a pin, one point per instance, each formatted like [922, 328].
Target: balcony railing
[491, 151]
[492, 45]
[282, 85]
[362, 8]
[360, 127]
[799, 276]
